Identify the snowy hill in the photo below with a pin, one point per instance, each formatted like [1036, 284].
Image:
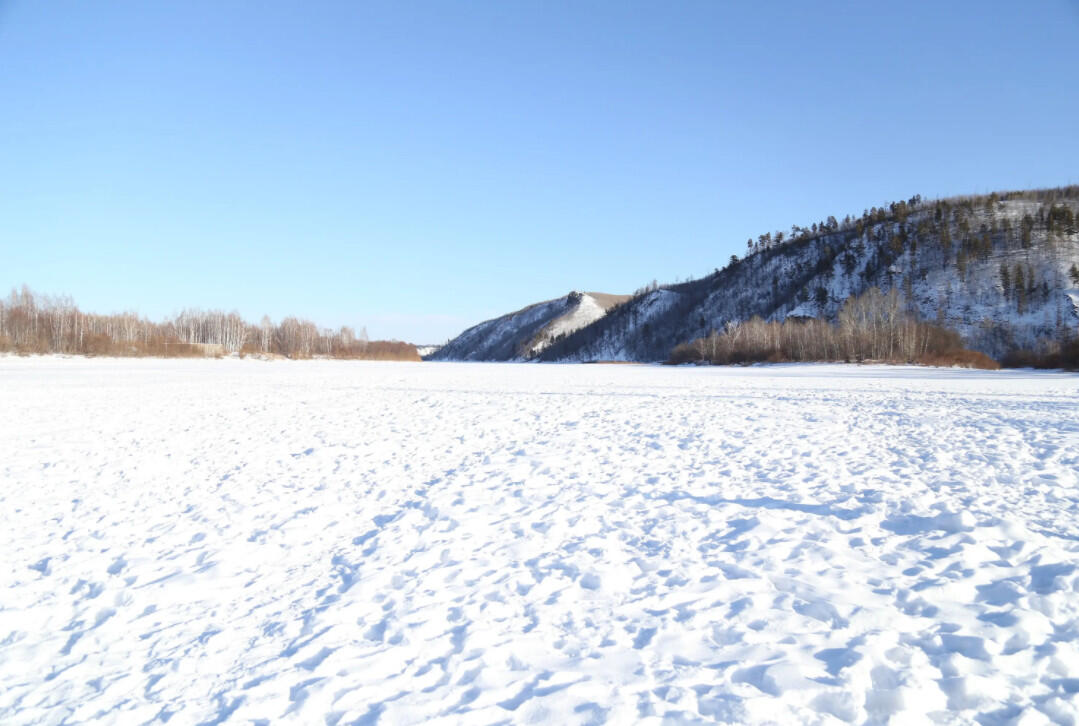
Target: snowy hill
[426, 350]
[1002, 270]
[527, 332]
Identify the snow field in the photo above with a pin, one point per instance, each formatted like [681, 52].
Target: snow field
[342, 542]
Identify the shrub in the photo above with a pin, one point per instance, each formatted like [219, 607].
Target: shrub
[1059, 355]
[961, 359]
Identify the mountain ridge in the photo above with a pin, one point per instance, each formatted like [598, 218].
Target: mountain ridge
[1001, 269]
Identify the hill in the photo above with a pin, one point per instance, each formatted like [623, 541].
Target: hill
[1001, 269]
[526, 333]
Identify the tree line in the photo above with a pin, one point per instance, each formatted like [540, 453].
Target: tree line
[33, 323]
[873, 326]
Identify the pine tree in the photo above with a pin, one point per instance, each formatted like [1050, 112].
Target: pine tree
[1020, 290]
[1005, 279]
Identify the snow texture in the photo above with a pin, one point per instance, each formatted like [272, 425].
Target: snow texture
[340, 542]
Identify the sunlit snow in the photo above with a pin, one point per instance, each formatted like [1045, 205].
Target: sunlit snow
[239, 541]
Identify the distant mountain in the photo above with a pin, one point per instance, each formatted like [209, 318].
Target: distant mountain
[1001, 269]
[524, 334]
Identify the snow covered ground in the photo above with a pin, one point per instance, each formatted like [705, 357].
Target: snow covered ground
[340, 542]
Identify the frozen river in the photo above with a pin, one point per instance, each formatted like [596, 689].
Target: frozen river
[342, 542]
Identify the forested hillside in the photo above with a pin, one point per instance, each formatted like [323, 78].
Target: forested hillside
[1001, 269]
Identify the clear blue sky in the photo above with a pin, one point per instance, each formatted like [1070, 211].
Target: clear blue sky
[418, 167]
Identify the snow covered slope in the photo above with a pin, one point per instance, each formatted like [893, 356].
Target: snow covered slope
[1000, 271]
[525, 333]
[333, 542]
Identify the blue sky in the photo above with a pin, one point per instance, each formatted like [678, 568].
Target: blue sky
[418, 167]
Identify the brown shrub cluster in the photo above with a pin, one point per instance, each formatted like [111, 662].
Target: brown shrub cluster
[962, 358]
